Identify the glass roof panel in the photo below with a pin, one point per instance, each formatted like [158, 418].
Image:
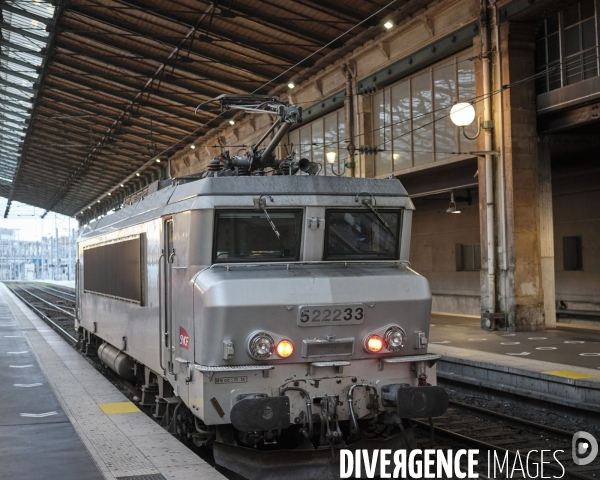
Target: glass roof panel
[23, 36]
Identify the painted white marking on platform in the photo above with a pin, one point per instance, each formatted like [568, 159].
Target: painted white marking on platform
[520, 354]
[20, 366]
[574, 341]
[445, 341]
[589, 354]
[477, 339]
[12, 336]
[16, 353]
[8, 325]
[39, 415]
[537, 338]
[510, 343]
[545, 348]
[27, 385]
[431, 325]
[509, 334]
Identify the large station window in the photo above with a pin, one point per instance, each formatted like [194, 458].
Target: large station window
[411, 122]
[567, 47]
[322, 139]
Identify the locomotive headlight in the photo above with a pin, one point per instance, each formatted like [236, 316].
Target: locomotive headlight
[261, 346]
[374, 344]
[394, 338]
[285, 348]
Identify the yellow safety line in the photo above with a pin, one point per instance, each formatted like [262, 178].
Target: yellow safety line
[570, 374]
[119, 407]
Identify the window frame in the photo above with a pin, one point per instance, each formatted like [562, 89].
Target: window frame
[415, 120]
[329, 211]
[577, 261]
[460, 257]
[219, 211]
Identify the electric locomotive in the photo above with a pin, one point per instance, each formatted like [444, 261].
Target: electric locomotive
[264, 310]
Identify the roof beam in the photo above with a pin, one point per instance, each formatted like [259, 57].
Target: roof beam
[90, 82]
[18, 86]
[150, 34]
[53, 132]
[23, 32]
[21, 48]
[275, 22]
[25, 14]
[203, 74]
[16, 96]
[225, 34]
[8, 103]
[94, 110]
[16, 61]
[167, 79]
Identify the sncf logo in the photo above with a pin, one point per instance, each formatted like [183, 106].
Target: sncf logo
[184, 338]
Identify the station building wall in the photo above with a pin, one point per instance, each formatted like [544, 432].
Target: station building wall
[436, 237]
[576, 206]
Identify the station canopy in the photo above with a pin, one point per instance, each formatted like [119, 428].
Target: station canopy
[94, 91]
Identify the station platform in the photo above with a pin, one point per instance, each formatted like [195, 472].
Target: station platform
[60, 418]
[60, 283]
[557, 366]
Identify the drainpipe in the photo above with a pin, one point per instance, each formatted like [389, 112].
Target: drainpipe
[501, 177]
[489, 173]
[349, 114]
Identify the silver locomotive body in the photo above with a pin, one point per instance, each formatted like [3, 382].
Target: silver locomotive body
[300, 349]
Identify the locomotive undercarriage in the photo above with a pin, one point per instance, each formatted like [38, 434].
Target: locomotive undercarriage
[310, 446]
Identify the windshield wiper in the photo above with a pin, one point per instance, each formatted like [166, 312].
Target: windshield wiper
[263, 206]
[379, 217]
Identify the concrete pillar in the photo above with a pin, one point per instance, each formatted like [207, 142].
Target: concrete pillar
[547, 232]
[523, 289]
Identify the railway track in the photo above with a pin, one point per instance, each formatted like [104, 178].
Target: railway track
[59, 317]
[498, 437]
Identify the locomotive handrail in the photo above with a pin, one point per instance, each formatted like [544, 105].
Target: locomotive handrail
[396, 263]
[160, 333]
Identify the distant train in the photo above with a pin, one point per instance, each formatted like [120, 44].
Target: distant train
[271, 316]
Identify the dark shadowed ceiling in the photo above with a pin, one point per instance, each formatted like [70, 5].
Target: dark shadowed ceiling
[113, 85]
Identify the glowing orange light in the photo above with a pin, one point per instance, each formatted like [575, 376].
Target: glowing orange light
[285, 348]
[374, 343]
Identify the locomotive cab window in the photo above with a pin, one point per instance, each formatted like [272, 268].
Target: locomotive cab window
[362, 235]
[251, 236]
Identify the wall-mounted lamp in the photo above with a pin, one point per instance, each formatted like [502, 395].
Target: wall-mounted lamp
[192, 146]
[291, 85]
[388, 25]
[231, 122]
[452, 208]
[331, 156]
[462, 115]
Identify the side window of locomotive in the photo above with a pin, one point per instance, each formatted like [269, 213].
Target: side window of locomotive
[248, 236]
[362, 235]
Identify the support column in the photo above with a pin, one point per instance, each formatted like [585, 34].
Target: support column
[547, 232]
[523, 290]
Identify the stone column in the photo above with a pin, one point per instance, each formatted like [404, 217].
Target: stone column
[523, 289]
[547, 232]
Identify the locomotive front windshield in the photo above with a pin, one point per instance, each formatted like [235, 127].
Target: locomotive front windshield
[362, 235]
[248, 236]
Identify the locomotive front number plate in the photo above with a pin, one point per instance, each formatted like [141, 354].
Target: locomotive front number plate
[317, 315]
